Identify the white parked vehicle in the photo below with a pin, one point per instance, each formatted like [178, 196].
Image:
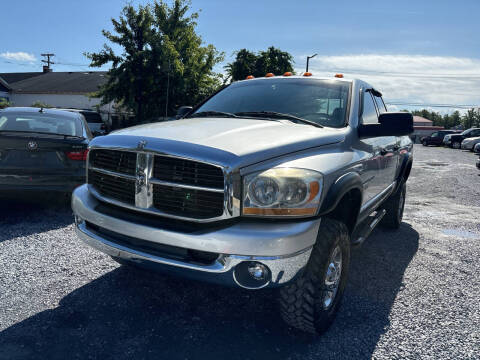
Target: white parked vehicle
[469, 143]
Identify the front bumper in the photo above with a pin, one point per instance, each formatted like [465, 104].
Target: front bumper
[284, 247]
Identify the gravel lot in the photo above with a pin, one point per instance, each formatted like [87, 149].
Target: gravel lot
[411, 293]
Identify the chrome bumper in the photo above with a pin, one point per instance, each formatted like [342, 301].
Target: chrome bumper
[284, 247]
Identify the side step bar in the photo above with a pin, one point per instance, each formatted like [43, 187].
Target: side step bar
[367, 227]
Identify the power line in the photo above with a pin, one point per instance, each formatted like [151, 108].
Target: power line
[462, 106]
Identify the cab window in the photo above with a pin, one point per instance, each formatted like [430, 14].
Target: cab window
[369, 115]
[435, 134]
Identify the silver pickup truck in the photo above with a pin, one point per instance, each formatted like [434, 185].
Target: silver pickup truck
[268, 183]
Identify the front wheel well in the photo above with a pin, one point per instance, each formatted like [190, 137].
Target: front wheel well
[348, 208]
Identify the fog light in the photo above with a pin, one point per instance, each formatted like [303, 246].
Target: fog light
[257, 271]
[252, 275]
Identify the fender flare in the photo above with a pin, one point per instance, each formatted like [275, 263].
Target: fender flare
[338, 189]
[407, 162]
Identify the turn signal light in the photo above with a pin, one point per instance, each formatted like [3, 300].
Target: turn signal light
[339, 76]
[269, 75]
[250, 77]
[288, 73]
[307, 74]
[77, 155]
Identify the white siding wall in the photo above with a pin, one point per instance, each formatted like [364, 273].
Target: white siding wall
[65, 101]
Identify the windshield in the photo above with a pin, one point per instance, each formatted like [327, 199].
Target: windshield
[40, 123]
[323, 101]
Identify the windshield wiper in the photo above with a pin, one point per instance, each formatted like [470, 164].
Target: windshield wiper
[212, 113]
[277, 115]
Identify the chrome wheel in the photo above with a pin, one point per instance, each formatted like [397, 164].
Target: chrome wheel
[332, 277]
[456, 145]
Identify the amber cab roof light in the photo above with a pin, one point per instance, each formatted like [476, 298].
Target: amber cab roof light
[339, 76]
[250, 77]
[269, 75]
[288, 73]
[307, 74]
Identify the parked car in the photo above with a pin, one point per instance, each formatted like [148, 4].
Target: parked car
[469, 143]
[436, 138]
[266, 184]
[42, 149]
[476, 149]
[478, 163]
[94, 120]
[455, 140]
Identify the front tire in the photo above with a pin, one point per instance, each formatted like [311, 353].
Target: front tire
[394, 207]
[424, 143]
[311, 302]
[456, 145]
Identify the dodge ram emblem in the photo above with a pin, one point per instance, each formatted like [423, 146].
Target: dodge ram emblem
[141, 144]
[32, 145]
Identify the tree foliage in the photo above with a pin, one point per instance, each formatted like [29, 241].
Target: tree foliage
[160, 51]
[4, 103]
[247, 63]
[41, 104]
[470, 119]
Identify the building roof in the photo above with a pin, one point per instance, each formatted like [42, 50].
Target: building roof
[83, 82]
[419, 119]
[11, 78]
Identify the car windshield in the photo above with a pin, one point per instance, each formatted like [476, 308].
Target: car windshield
[324, 102]
[40, 123]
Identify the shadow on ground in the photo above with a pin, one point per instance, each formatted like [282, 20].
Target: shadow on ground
[22, 214]
[128, 314]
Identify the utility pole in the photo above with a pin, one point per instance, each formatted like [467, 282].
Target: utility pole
[48, 62]
[308, 59]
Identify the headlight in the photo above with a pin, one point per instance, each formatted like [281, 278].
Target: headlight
[282, 192]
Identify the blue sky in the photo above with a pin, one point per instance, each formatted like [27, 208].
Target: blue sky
[389, 43]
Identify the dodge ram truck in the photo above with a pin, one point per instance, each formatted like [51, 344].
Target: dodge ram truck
[267, 183]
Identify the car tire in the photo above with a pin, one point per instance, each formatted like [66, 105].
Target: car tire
[311, 302]
[424, 143]
[456, 145]
[394, 207]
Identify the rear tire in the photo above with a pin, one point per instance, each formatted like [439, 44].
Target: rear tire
[394, 207]
[311, 302]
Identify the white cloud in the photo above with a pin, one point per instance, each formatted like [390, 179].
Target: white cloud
[409, 78]
[18, 56]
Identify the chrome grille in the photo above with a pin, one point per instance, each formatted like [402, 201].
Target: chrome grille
[187, 202]
[118, 161]
[159, 184]
[187, 172]
[115, 187]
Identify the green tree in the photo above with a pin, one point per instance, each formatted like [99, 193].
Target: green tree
[163, 62]
[246, 63]
[41, 104]
[4, 103]
[471, 119]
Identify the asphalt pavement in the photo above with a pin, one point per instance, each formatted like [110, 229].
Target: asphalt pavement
[412, 293]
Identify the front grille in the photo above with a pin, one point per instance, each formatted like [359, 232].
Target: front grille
[114, 187]
[187, 202]
[118, 161]
[180, 187]
[187, 172]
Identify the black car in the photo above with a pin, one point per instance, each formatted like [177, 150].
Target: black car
[436, 138]
[455, 140]
[42, 149]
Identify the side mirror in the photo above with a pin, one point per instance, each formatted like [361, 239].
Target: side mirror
[389, 124]
[183, 111]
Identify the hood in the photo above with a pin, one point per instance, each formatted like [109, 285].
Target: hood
[241, 137]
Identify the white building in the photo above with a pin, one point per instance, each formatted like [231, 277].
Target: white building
[57, 89]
